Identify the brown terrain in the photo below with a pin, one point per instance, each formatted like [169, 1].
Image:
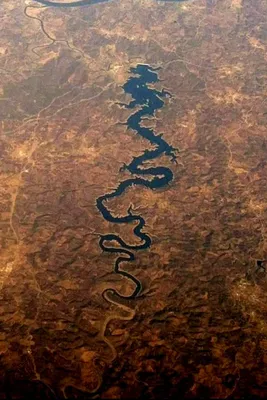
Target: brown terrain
[199, 327]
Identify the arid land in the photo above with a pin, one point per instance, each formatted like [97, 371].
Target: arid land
[199, 326]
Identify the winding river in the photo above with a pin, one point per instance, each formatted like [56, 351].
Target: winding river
[150, 100]
[79, 3]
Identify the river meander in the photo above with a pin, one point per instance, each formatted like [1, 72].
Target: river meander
[150, 100]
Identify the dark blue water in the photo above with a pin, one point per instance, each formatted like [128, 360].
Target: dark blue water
[82, 2]
[71, 4]
[153, 178]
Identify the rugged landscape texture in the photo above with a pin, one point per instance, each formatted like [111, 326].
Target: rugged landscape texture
[199, 328]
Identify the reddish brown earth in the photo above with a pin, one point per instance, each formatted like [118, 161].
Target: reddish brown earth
[199, 327]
